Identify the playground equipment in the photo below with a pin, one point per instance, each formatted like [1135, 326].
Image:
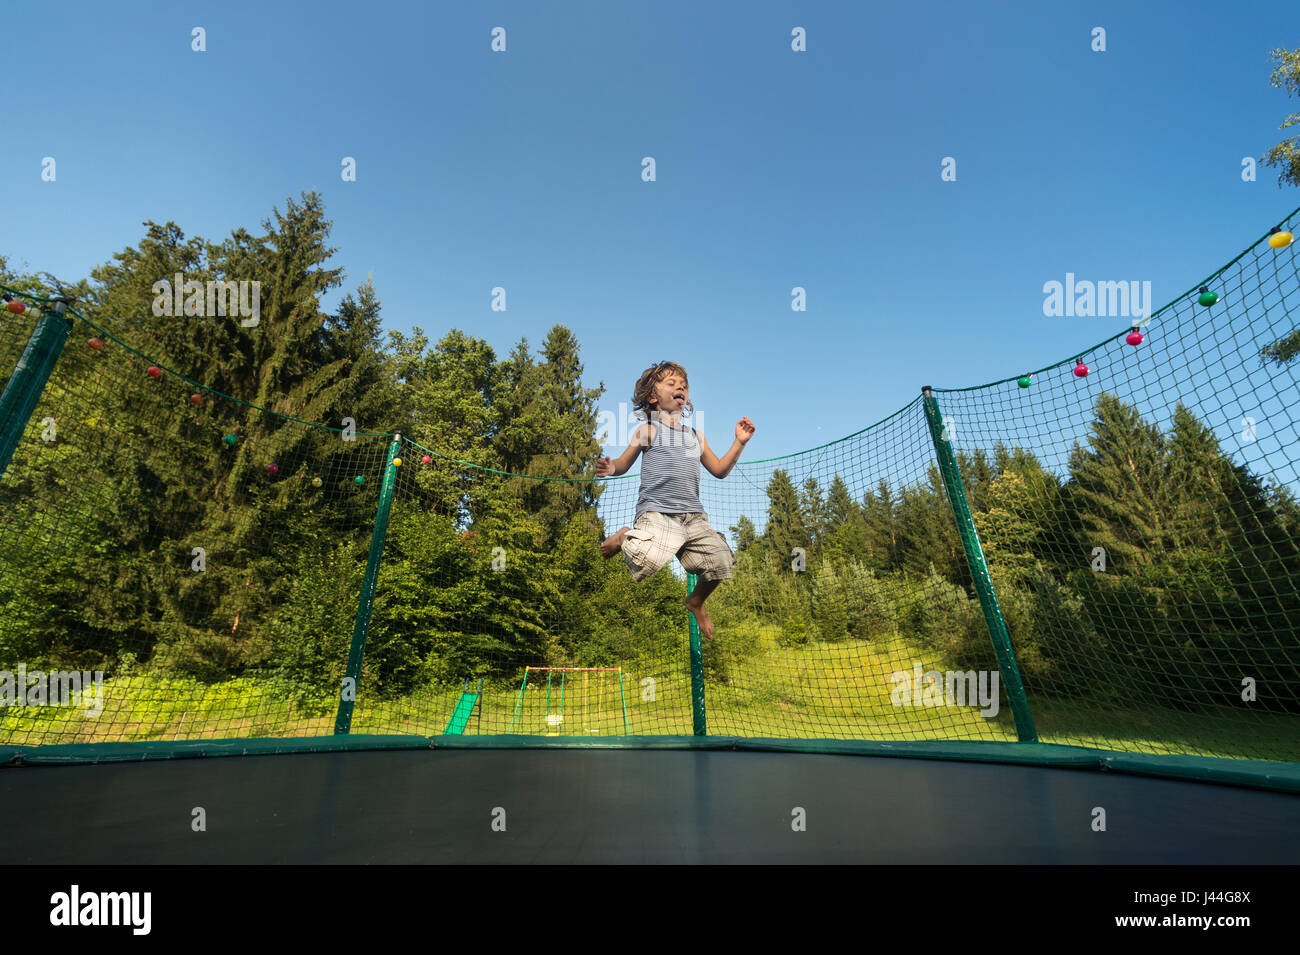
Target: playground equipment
[594, 704]
[465, 705]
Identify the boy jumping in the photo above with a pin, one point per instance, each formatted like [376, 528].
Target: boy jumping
[670, 521]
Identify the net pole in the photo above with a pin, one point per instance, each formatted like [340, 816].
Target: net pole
[29, 378]
[699, 724]
[979, 570]
[343, 722]
[627, 725]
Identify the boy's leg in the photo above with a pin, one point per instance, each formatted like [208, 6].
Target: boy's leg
[695, 604]
[707, 555]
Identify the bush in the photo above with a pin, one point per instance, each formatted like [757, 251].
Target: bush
[870, 610]
[830, 610]
[936, 615]
[794, 633]
[730, 645]
[310, 636]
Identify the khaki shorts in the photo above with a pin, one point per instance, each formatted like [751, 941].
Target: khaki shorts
[657, 538]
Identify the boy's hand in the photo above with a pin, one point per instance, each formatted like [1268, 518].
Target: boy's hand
[604, 467]
[744, 430]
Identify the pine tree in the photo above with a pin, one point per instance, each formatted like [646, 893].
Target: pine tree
[927, 534]
[840, 506]
[814, 513]
[880, 519]
[1175, 516]
[785, 529]
[744, 534]
[517, 438]
[844, 537]
[1118, 485]
[978, 475]
[561, 445]
[1224, 598]
[1007, 527]
[452, 390]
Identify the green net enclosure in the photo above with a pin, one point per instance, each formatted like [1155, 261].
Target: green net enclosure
[1136, 507]
[150, 543]
[1102, 552]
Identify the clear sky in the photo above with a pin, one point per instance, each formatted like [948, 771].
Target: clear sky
[775, 169]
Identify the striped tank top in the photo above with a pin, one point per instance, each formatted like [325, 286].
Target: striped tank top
[670, 472]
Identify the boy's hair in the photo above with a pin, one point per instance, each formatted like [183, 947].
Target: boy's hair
[645, 386]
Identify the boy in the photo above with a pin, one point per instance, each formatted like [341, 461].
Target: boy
[670, 521]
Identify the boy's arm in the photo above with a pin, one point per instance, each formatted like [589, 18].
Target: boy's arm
[640, 439]
[720, 467]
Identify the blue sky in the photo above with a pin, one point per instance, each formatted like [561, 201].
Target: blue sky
[775, 169]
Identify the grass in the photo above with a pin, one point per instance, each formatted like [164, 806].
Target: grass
[836, 691]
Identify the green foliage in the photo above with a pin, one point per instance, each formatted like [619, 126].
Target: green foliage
[1286, 154]
[927, 534]
[794, 633]
[1007, 526]
[744, 533]
[786, 530]
[935, 614]
[849, 602]
[446, 612]
[311, 633]
[728, 650]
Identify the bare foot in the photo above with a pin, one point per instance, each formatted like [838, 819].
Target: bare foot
[701, 617]
[612, 544]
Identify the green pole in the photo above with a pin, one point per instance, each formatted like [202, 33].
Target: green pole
[697, 669]
[29, 378]
[979, 569]
[351, 680]
[627, 724]
[519, 703]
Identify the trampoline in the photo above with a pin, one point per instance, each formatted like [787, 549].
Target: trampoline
[862, 660]
[658, 805]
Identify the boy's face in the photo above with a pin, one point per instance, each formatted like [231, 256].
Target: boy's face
[671, 394]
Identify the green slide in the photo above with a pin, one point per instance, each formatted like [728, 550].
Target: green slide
[464, 707]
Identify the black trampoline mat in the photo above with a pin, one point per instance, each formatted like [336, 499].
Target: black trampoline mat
[628, 806]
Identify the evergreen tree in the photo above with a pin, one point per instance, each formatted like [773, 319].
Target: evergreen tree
[452, 390]
[978, 474]
[551, 432]
[744, 534]
[880, 520]
[840, 506]
[815, 519]
[785, 529]
[1184, 590]
[927, 534]
[1007, 528]
[1118, 485]
[844, 538]
[1225, 601]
